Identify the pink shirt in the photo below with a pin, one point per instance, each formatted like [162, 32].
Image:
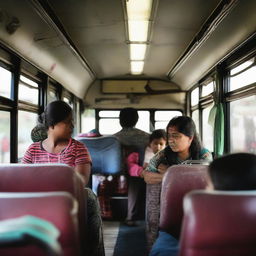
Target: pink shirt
[74, 154]
[132, 162]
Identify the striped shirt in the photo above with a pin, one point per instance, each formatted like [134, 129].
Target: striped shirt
[74, 154]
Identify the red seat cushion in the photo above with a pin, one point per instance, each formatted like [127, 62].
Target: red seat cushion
[59, 208]
[219, 224]
[179, 180]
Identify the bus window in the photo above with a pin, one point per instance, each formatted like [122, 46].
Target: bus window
[88, 121]
[5, 136]
[207, 89]
[28, 90]
[144, 121]
[6, 79]
[207, 129]
[26, 122]
[243, 75]
[195, 117]
[109, 122]
[162, 118]
[243, 125]
[195, 97]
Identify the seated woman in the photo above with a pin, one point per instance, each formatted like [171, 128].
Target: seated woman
[60, 147]
[183, 144]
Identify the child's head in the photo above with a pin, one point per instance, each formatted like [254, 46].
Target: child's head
[157, 140]
[234, 172]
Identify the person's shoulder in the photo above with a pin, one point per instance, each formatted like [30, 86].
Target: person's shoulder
[77, 143]
[34, 146]
[205, 154]
[141, 131]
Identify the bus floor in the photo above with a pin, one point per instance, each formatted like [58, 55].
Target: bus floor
[121, 240]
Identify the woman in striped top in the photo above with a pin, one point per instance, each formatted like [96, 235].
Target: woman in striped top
[59, 147]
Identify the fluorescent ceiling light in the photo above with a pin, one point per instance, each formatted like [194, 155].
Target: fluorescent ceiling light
[138, 9]
[137, 51]
[137, 67]
[138, 31]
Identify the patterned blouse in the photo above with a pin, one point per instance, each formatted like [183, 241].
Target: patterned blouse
[74, 154]
[160, 158]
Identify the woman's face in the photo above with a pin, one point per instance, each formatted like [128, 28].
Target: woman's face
[64, 129]
[178, 142]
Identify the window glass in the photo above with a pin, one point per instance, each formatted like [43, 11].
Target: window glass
[238, 80]
[207, 129]
[88, 120]
[28, 90]
[109, 121]
[52, 96]
[109, 113]
[144, 121]
[195, 97]
[207, 89]
[195, 117]
[5, 82]
[243, 125]
[26, 122]
[5, 137]
[68, 100]
[162, 118]
[109, 126]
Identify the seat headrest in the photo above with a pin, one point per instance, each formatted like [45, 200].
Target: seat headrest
[105, 152]
[179, 180]
[219, 223]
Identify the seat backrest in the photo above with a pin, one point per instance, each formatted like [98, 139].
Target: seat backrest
[58, 208]
[219, 224]
[105, 152]
[179, 180]
[45, 178]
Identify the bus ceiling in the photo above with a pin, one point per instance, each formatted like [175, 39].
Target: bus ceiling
[81, 43]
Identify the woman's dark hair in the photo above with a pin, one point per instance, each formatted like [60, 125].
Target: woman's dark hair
[157, 134]
[234, 172]
[128, 117]
[185, 125]
[54, 112]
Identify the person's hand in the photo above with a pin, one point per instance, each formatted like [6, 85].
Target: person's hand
[162, 168]
[152, 177]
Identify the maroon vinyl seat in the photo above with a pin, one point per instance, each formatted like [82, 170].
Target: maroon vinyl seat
[45, 178]
[58, 208]
[179, 180]
[219, 224]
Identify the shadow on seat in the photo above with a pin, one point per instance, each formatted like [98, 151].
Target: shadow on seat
[219, 224]
[179, 180]
[31, 223]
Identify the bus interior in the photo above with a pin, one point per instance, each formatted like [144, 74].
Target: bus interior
[164, 58]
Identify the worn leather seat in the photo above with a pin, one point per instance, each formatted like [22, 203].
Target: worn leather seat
[219, 224]
[45, 178]
[31, 237]
[179, 180]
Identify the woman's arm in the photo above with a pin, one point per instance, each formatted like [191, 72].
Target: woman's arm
[84, 170]
[152, 177]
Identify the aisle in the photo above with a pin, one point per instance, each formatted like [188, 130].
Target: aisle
[131, 241]
[121, 240]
